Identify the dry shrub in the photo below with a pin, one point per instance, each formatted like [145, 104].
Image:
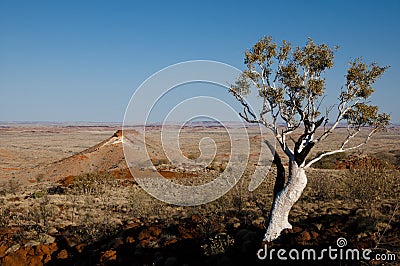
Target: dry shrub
[368, 186]
[217, 244]
[92, 183]
[143, 205]
[12, 186]
[391, 157]
[42, 213]
[4, 216]
[93, 229]
[323, 188]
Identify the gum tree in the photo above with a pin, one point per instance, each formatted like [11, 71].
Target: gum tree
[291, 85]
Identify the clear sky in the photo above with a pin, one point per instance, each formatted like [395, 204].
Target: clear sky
[82, 60]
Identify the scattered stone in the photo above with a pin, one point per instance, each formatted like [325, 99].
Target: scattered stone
[236, 225]
[109, 255]
[52, 231]
[30, 251]
[71, 242]
[32, 243]
[36, 260]
[129, 240]
[80, 247]
[296, 229]
[186, 233]
[314, 235]
[63, 254]
[132, 224]
[259, 223]
[17, 258]
[116, 243]
[170, 241]
[361, 235]
[196, 219]
[303, 237]
[362, 213]
[47, 239]
[150, 232]
[3, 251]
[45, 249]
[318, 226]
[13, 248]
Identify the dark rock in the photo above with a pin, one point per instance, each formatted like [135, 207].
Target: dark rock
[303, 237]
[63, 254]
[109, 255]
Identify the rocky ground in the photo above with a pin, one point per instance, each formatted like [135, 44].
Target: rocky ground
[96, 214]
[101, 220]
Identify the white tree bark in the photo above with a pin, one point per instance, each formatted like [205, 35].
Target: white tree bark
[285, 200]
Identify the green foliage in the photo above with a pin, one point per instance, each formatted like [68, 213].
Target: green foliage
[360, 78]
[38, 194]
[289, 79]
[315, 58]
[263, 52]
[291, 84]
[362, 114]
[241, 86]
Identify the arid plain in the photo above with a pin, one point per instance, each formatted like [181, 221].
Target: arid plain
[67, 197]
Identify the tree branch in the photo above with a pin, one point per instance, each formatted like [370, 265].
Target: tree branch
[246, 106]
[342, 111]
[342, 149]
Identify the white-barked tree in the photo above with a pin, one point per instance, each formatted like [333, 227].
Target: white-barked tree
[291, 85]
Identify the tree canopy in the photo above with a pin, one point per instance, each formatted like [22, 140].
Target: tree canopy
[291, 85]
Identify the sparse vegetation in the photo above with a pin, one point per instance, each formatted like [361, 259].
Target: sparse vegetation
[92, 184]
[12, 186]
[367, 187]
[96, 218]
[217, 244]
[42, 211]
[324, 189]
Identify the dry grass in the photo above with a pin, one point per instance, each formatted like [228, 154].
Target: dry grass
[96, 206]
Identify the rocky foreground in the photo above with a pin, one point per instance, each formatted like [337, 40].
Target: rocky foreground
[142, 231]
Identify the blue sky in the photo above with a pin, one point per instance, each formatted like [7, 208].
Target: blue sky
[82, 60]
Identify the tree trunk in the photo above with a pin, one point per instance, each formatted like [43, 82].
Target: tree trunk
[284, 201]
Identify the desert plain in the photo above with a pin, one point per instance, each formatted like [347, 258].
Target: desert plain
[67, 197]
